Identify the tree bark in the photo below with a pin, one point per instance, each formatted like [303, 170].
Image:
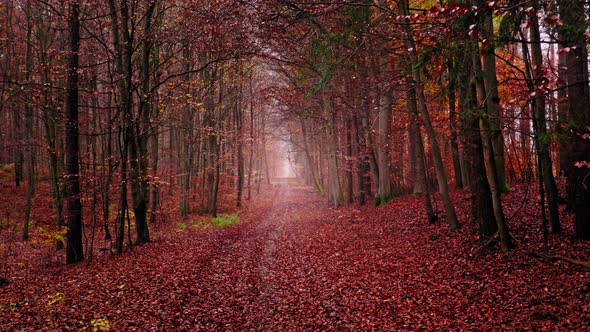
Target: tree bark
[416, 83]
[74, 249]
[239, 147]
[481, 196]
[451, 90]
[334, 190]
[486, 137]
[540, 124]
[492, 99]
[28, 133]
[384, 192]
[419, 170]
[578, 181]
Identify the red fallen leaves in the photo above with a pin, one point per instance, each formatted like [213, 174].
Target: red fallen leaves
[294, 264]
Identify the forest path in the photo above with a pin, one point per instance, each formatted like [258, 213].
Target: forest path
[294, 264]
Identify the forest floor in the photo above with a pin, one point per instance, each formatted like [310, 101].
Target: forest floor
[293, 264]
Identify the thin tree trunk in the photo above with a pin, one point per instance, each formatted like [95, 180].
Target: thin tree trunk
[155, 154]
[28, 133]
[334, 191]
[349, 162]
[435, 149]
[453, 125]
[239, 144]
[139, 127]
[542, 139]
[384, 193]
[252, 137]
[420, 178]
[492, 99]
[122, 57]
[362, 164]
[212, 144]
[480, 91]
[416, 164]
[314, 174]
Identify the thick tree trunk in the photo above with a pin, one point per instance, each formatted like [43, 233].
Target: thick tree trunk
[562, 109]
[481, 196]
[74, 249]
[578, 181]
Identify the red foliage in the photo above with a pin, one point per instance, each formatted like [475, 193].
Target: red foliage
[293, 264]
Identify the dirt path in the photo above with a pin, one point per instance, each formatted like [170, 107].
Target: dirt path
[292, 264]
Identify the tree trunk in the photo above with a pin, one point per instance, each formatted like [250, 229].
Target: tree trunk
[492, 99]
[74, 249]
[349, 162]
[239, 146]
[334, 191]
[362, 164]
[540, 124]
[453, 124]
[481, 196]
[252, 137]
[212, 144]
[419, 170]
[578, 182]
[417, 85]
[125, 135]
[384, 193]
[155, 154]
[139, 127]
[479, 99]
[51, 129]
[28, 133]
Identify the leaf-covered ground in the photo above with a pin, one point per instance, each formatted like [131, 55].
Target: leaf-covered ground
[294, 264]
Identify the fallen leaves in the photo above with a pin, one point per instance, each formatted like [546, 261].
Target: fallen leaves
[294, 264]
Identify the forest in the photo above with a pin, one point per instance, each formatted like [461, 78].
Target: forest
[294, 165]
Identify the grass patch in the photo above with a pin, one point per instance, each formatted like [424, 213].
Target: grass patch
[203, 223]
[225, 220]
[506, 188]
[181, 227]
